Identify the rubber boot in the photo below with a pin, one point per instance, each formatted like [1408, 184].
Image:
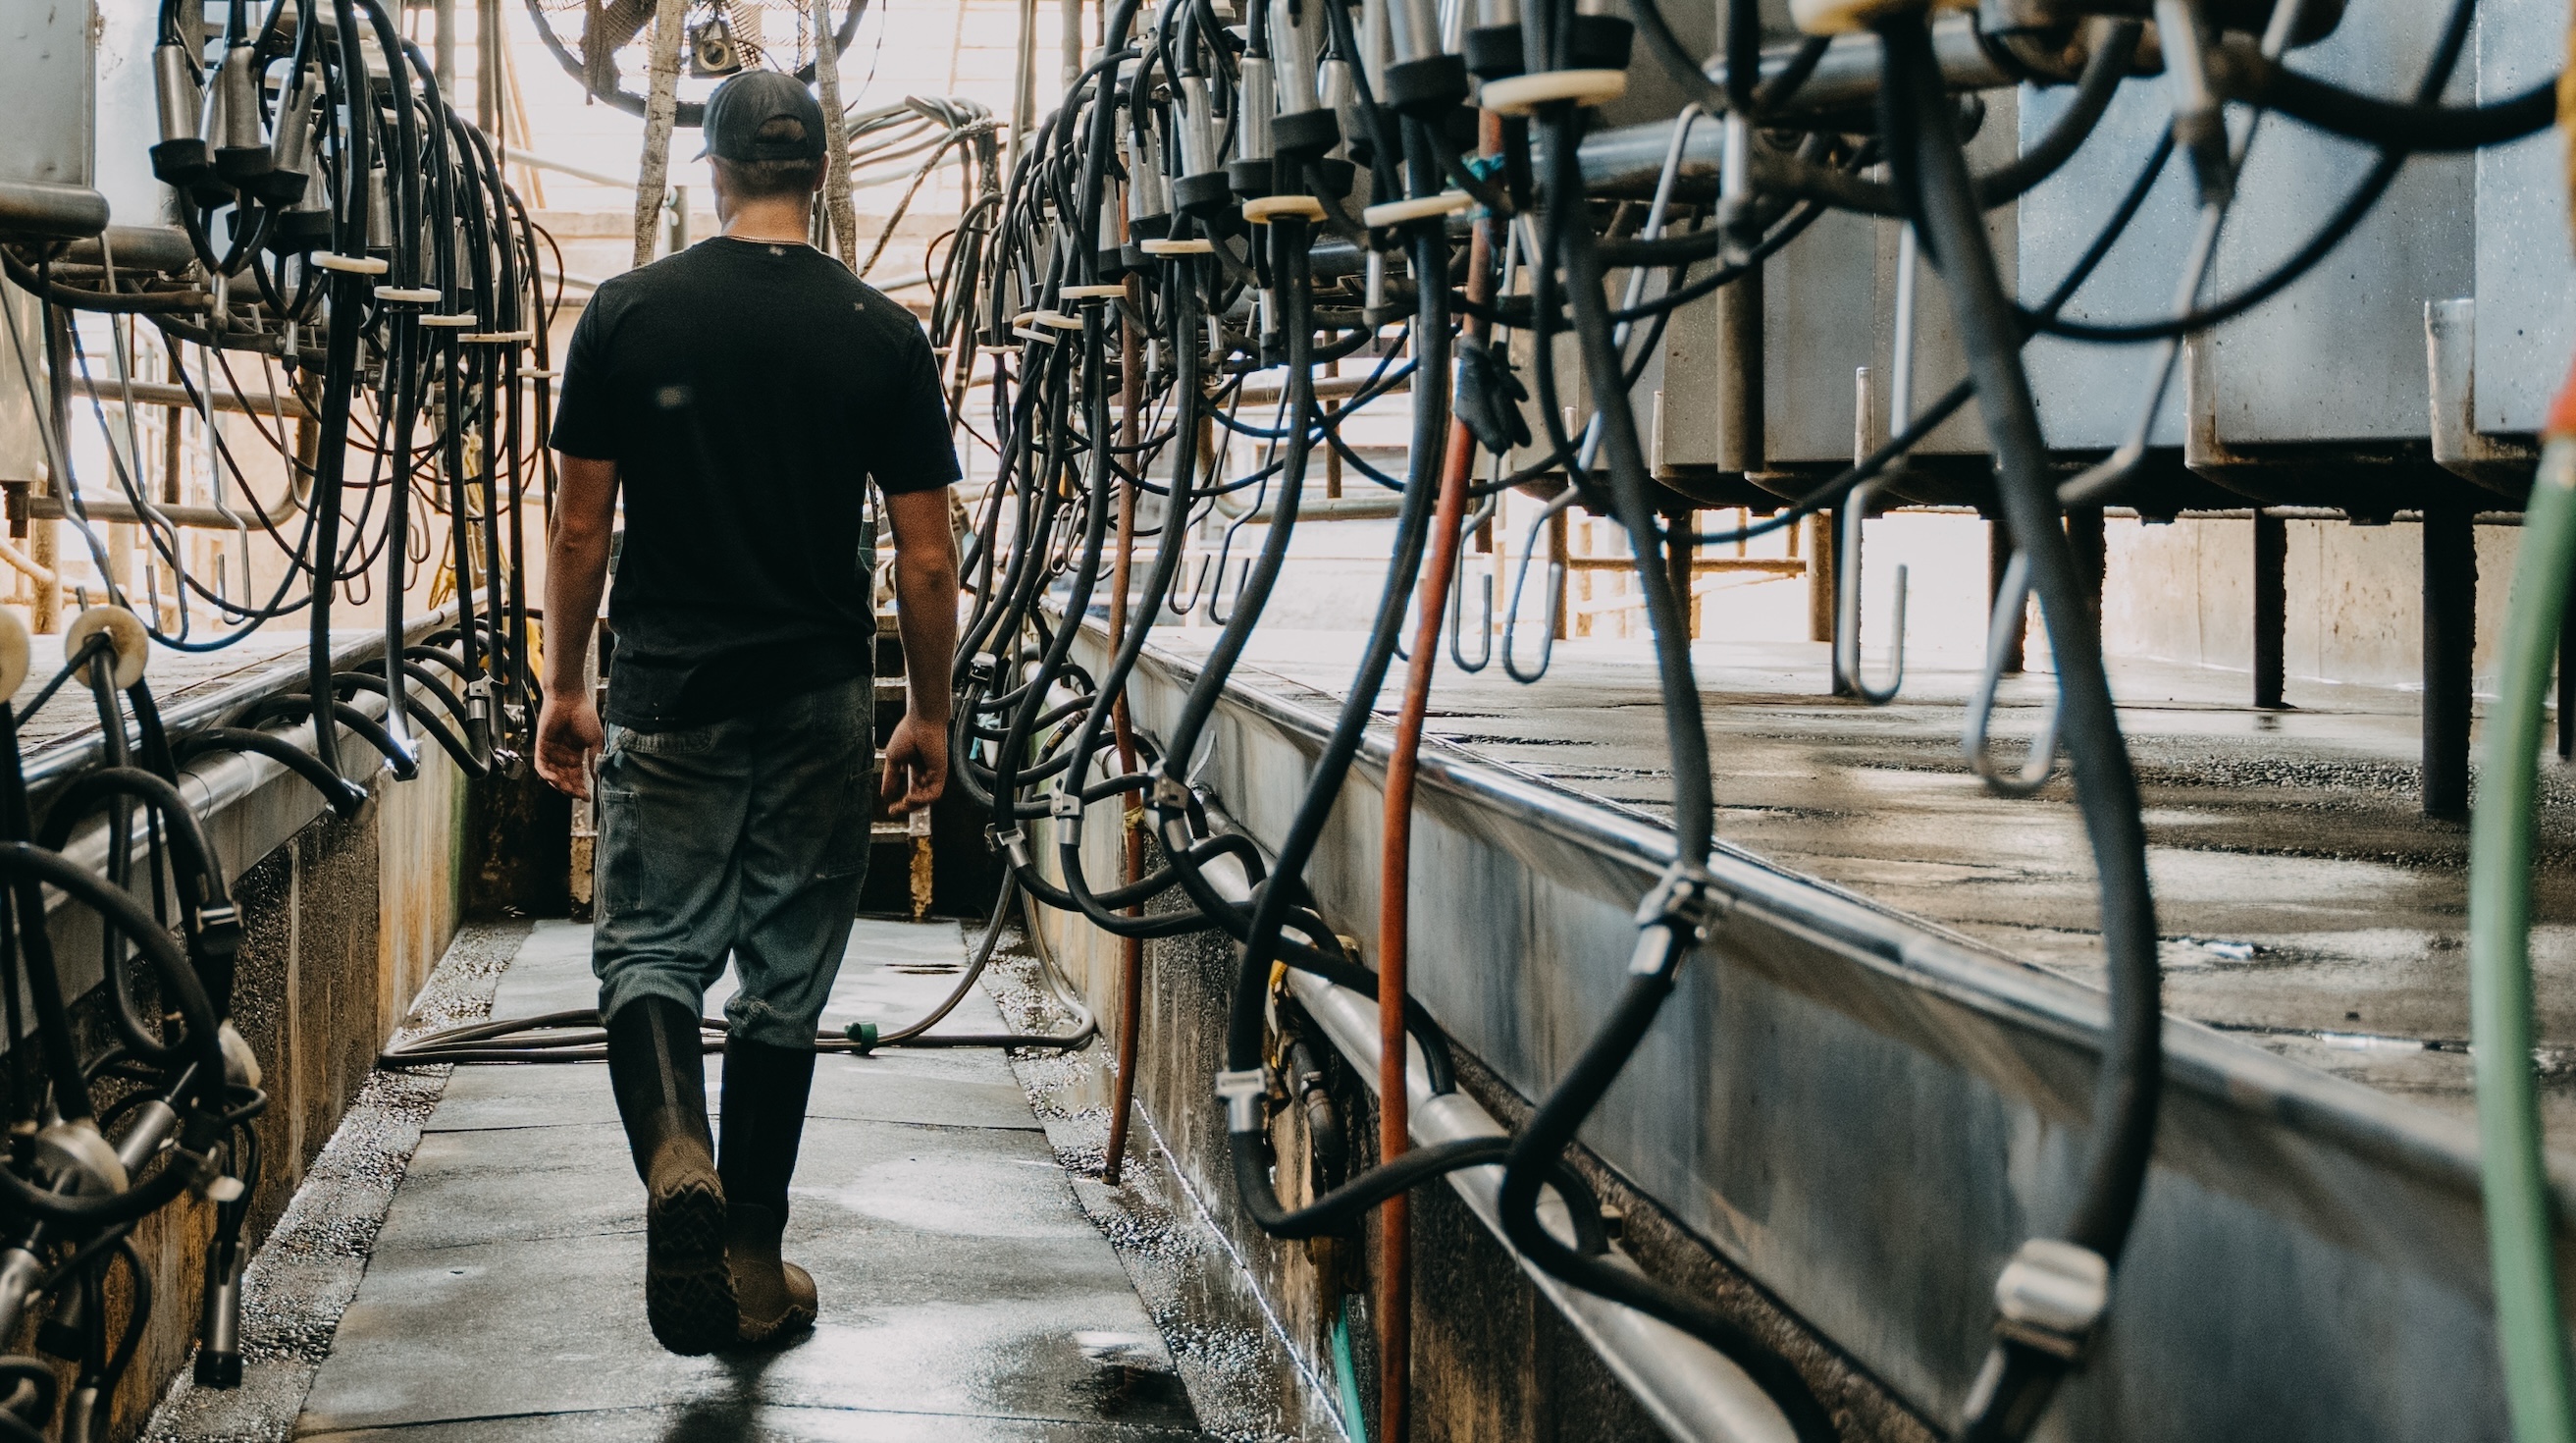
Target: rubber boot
[658, 1069]
[765, 1089]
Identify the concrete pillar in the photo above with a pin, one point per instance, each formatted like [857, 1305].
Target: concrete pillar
[2271, 607]
[2450, 633]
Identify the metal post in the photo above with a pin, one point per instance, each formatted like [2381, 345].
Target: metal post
[2450, 632]
[1999, 554]
[2567, 681]
[1820, 529]
[1557, 552]
[836, 138]
[1739, 391]
[1072, 42]
[444, 11]
[2084, 536]
[2271, 607]
[1024, 89]
[1682, 525]
[487, 67]
[661, 112]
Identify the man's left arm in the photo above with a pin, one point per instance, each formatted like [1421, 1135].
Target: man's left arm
[925, 604]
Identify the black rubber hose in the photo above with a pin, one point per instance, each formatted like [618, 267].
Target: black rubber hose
[2131, 1077]
[296, 704]
[30, 868]
[1665, 939]
[2391, 125]
[343, 796]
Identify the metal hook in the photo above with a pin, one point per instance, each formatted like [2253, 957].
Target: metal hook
[1847, 573]
[1555, 593]
[1458, 595]
[1484, 629]
[1183, 606]
[1242, 574]
[2011, 599]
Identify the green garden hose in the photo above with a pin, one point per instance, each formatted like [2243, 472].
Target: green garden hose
[1347, 1376]
[2519, 1231]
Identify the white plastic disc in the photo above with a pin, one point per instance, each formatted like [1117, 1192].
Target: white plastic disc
[1397, 212]
[355, 265]
[13, 652]
[1523, 94]
[124, 633]
[1262, 210]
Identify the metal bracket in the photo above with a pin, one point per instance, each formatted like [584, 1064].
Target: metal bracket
[1065, 805]
[1688, 899]
[1243, 1093]
[2450, 363]
[2051, 1295]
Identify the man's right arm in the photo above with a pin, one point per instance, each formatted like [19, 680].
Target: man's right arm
[568, 729]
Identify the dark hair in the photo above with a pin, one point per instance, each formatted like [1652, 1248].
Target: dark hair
[768, 179]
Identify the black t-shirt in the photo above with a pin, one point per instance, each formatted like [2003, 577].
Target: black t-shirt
[748, 391]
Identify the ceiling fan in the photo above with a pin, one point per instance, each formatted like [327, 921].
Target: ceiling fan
[602, 43]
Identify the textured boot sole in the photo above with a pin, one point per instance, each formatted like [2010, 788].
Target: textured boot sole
[688, 1285]
[796, 1308]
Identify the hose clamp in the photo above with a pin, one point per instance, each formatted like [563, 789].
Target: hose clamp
[1171, 794]
[1686, 899]
[1684, 907]
[2051, 1295]
[1243, 1093]
[1013, 843]
[219, 929]
[1065, 805]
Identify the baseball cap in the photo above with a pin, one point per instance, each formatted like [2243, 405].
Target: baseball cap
[745, 103]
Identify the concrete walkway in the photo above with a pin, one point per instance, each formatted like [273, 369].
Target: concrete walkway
[964, 1294]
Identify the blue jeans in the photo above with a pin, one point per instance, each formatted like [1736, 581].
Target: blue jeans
[747, 838]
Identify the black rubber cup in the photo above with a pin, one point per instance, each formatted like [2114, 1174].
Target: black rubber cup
[1599, 42]
[1251, 179]
[1208, 193]
[1428, 85]
[1306, 132]
[1494, 52]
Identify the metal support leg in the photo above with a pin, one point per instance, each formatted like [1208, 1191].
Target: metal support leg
[1680, 524]
[2567, 682]
[2271, 607]
[1999, 553]
[2450, 631]
[2092, 556]
[1824, 587]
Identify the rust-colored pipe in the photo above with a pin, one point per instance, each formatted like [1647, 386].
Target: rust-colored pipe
[1131, 962]
[1395, 1121]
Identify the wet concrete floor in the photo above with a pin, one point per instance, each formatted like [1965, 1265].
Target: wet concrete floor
[964, 1293]
[2303, 898]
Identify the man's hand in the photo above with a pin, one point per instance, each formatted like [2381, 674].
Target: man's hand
[568, 733]
[576, 572]
[916, 765]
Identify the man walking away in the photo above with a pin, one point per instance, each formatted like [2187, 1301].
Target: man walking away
[742, 395]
